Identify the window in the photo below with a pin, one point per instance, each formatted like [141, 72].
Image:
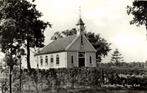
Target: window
[46, 60]
[72, 61]
[52, 58]
[82, 40]
[57, 59]
[90, 60]
[41, 60]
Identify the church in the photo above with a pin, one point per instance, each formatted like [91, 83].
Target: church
[68, 52]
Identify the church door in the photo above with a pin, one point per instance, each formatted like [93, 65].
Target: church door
[81, 59]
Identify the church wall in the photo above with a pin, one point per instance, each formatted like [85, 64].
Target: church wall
[76, 46]
[71, 64]
[75, 59]
[52, 64]
[93, 59]
[66, 60]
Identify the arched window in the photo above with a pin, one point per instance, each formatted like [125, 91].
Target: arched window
[46, 60]
[52, 59]
[90, 59]
[57, 59]
[41, 60]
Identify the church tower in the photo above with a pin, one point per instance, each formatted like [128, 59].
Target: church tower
[80, 27]
[81, 30]
[80, 24]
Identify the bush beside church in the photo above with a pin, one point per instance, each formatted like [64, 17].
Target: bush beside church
[43, 80]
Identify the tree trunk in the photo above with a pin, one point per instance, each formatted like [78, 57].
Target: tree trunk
[28, 55]
[2, 88]
[10, 81]
[37, 91]
[20, 73]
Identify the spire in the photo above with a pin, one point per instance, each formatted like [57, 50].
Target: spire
[79, 11]
[80, 24]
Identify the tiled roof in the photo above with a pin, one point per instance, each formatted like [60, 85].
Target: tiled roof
[58, 45]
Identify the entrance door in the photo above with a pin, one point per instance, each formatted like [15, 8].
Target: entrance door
[81, 59]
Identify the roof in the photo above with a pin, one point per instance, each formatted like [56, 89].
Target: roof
[80, 22]
[58, 45]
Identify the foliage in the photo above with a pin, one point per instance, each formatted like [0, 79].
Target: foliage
[4, 80]
[81, 77]
[139, 12]
[116, 57]
[20, 21]
[99, 43]
[40, 80]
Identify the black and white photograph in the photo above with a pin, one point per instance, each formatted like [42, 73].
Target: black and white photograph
[73, 46]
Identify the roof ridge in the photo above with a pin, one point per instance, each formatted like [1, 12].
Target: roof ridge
[65, 37]
[58, 45]
[58, 39]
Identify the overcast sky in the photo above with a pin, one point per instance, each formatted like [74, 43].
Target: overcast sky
[105, 17]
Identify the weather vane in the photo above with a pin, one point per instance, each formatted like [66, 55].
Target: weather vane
[80, 11]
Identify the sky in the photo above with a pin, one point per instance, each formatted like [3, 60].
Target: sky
[105, 17]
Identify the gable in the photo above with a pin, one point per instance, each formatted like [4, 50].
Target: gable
[77, 46]
[72, 43]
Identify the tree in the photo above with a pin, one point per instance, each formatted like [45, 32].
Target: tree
[139, 12]
[20, 21]
[116, 57]
[99, 43]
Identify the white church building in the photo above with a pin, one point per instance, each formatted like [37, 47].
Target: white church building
[68, 52]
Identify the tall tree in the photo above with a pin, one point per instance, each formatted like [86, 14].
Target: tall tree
[26, 25]
[139, 12]
[99, 43]
[116, 57]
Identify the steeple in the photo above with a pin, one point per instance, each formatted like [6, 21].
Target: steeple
[80, 24]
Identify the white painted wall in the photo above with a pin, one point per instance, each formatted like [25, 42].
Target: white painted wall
[65, 60]
[32, 60]
[62, 60]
